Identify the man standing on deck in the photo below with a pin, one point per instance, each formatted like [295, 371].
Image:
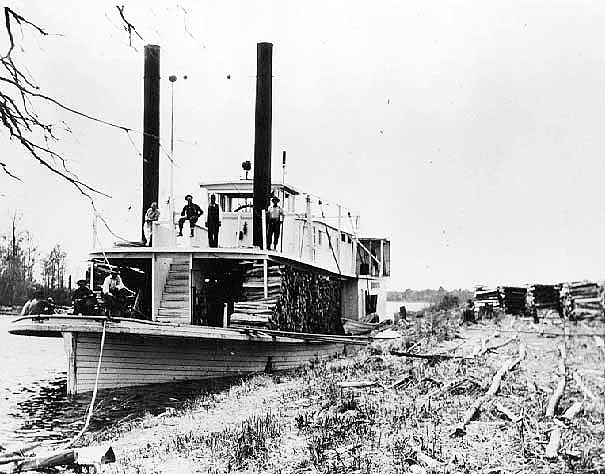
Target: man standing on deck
[84, 299]
[213, 223]
[191, 212]
[275, 216]
[151, 216]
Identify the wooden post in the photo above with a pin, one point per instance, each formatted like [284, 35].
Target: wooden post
[70, 341]
[339, 234]
[265, 278]
[262, 139]
[380, 270]
[239, 226]
[190, 285]
[154, 275]
[92, 276]
[226, 315]
[264, 229]
[310, 234]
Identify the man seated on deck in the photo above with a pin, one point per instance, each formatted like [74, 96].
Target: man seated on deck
[37, 305]
[84, 299]
[191, 212]
[115, 293]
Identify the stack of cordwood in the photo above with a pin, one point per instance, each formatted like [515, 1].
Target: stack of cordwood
[486, 296]
[583, 299]
[255, 310]
[514, 298]
[545, 296]
[298, 301]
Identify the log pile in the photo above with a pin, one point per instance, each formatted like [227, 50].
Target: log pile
[582, 299]
[309, 302]
[485, 300]
[514, 299]
[545, 296]
[298, 301]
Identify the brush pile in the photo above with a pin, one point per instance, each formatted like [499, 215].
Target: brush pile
[582, 299]
[514, 299]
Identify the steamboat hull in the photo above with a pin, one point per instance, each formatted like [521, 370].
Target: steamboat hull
[140, 353]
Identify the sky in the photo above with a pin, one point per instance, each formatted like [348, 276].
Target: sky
[467, 132]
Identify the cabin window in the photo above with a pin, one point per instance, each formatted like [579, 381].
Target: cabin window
[319, 239]
[222, 201]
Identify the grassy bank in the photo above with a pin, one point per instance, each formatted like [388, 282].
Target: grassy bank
[403, 419]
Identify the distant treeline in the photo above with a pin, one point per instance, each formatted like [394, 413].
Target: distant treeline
[428, 295]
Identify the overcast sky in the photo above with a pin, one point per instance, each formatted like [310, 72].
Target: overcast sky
[469, 133]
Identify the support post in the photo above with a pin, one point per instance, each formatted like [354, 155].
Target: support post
[339, 234]
[190, 285]
[264, 229]
[266, 278]
[91, 277]
[70, 341]
[239, 226]
[225, 315]
[154, 275]
[310, 233]
[381, 269]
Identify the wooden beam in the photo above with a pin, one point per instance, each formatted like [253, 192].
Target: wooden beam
[265, 278]
[70, 340]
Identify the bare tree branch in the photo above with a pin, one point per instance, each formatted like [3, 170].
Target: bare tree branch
[128, 27]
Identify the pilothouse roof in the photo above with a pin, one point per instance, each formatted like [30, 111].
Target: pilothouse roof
[243, 186]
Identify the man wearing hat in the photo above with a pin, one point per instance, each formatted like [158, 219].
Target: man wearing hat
[275, 216]
[115, 293]
[191, 212]
[213, 222]
[152, 215]
[84, 299]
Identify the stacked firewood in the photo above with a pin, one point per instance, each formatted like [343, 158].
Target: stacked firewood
[582, 299]
[309, 302]
[514, 299]
[545, 296]
[254, 309]
[485, 300]
[297, 301]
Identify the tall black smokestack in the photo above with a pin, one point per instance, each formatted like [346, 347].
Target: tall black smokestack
[151, 127]
[262, 139]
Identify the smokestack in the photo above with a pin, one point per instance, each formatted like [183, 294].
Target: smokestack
[151, 127]
[262, 139]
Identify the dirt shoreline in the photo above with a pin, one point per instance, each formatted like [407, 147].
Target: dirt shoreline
[305, 422]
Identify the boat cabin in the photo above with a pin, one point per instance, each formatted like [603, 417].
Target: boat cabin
[320, 266]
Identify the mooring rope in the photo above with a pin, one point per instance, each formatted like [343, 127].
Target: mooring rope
[94, 392]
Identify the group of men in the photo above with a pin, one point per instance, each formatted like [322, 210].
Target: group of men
[192, 212]
[113, 291]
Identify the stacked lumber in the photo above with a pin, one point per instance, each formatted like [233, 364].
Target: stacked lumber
[253, 313]
[309, 302]
[486, 296]
[514, 299]
[253, 286]
[582, 299]
[545, 296]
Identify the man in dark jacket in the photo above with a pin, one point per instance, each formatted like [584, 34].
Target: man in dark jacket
[191, 212]
[213, 223]
[84, 299]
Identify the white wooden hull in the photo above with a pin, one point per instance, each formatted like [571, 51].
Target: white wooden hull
[357, 327]
[130, 360]
[143, 352]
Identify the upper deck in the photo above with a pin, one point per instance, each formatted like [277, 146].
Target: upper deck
[313, 233]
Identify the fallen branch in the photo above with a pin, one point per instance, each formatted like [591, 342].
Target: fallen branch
[360, 384]
[506, 412]
[584, 389]
[80, 456]
[425, 356]
[426, 459]
[558, 393]
[572, 411]
[493, 389]
[554, 443]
